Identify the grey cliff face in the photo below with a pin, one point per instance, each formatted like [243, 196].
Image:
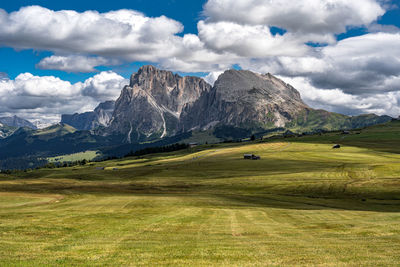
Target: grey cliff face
[169, 90]
[103, 114]
[243, 99]
[151, 106]
[100, 117]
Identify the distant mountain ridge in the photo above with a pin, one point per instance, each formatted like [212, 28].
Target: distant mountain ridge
[100, 117]
[15, 121]
[59, 138]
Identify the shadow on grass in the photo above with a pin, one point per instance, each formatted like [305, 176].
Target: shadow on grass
[219, 196]
[307, 203]
[384, 138]
[232, 180]
[387, 146]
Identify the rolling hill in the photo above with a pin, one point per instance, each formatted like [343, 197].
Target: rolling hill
[302, 204]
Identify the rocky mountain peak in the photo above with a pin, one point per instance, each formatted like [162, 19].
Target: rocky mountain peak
[169, 90]
[243, 98]
[233, 84]
[158, 103]
[153, 102]
[148, 74]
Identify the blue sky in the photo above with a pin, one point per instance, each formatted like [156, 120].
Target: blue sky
[14, 62]
[341, 55]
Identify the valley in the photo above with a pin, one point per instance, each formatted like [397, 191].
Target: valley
[302, 204]
[200, 133]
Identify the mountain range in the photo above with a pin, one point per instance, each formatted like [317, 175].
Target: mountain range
[159, 107]
[8, 125]
[15, 121]
[159, 103]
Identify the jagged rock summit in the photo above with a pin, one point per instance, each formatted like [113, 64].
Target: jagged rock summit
[245, 99]
[151, 106]
[159, 103]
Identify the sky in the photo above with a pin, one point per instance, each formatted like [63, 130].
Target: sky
[59, 57]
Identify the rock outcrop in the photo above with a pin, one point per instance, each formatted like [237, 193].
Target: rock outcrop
[151, 106]
[100, 117]
[244, 99]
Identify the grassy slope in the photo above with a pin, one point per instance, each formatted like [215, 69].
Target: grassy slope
[302, 204]
[202, 138]
[383, 137]
[55, 130]
[88, 155]
[311, 120]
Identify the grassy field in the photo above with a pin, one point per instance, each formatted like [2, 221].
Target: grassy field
[302, 204]
[88, 155]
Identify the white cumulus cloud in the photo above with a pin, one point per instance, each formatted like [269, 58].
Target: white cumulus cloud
[47, 97]
[384, 103]
[106, 85]
[303, 16]
[74, 63]
[248, 40]
[122, 33]
[364, 64]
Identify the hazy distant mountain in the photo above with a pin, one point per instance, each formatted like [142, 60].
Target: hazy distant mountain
[15, 121]
[57, 139]
[101, 116]
[6, 131]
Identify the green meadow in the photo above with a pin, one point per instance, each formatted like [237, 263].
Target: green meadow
[88, 155]
[302, 204]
